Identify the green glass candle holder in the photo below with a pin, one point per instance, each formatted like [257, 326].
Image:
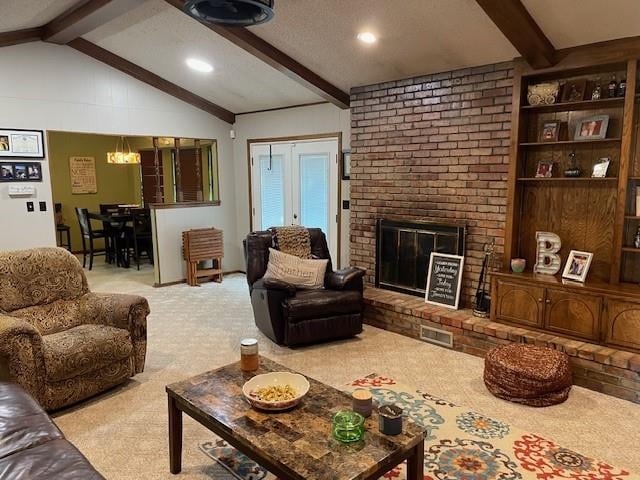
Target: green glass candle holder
[348, 426]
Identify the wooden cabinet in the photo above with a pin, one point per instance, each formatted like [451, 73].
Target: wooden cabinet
[572, 314]
[593, 312]
[520, 303]
[621, 325]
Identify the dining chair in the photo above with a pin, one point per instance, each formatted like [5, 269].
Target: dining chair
[62, 228]
[88, 235]
[139, 236]
[110, 240]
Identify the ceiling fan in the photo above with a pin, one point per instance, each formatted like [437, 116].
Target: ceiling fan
[238, 13]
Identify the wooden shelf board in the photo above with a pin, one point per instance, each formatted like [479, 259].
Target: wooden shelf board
[570, 142]
[566, 179]
[581, 105]
[592, 284]
[631, 249]
[632, 217]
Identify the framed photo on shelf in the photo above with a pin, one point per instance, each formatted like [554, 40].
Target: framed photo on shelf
[544, 170]
[346, 164]
[592, 128]
[20, 172]
[550, 132]
[21, 143]
[577, 265]
[600, 168]
[574, 90]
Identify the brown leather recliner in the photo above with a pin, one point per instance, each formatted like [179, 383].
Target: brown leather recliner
[290, 316]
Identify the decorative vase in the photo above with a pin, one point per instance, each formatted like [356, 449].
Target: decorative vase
[518, 265]
[636, 240]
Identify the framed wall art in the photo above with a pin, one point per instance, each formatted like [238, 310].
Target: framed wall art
[21, 143]
[20, 172]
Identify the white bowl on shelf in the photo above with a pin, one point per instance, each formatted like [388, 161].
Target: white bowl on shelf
[298, 382]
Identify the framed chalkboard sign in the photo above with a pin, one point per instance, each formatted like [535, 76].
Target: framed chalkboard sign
[444, 280]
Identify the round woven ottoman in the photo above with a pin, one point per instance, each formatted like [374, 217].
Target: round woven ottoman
[526, 374]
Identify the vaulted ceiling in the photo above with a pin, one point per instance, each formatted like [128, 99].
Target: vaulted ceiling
[414, 37]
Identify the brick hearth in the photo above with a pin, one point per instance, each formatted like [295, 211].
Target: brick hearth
[606, 370]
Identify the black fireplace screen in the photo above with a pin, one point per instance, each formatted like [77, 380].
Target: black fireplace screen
[404, 249]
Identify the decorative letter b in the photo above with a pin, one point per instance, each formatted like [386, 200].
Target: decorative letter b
[548, 260]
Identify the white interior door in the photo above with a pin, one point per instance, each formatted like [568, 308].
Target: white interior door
[296, 184]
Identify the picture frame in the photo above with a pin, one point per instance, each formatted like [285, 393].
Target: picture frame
[574, 90]
[444, 280]
[577, 266]
[550, 131]
[592, 128]
[20, 172]
[18, 143]
[346, 164]
[600, 168]
[544, 169]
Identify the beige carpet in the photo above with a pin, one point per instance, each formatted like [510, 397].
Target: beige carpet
[124, 432]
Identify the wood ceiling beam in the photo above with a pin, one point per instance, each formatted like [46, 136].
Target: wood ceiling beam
[139, 73]
[84, 18]
[517, 24]
[17, 37]
[279, 60]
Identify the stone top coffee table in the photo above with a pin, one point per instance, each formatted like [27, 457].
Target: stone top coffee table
[296, 444]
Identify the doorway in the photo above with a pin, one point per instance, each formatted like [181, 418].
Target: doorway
[296, 183]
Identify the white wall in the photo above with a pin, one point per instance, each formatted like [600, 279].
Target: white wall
[311, 120]
[51, 87]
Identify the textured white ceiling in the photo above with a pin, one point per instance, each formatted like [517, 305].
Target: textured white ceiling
[19, 14]
[568, 23]
[415, 37]
[158, 37]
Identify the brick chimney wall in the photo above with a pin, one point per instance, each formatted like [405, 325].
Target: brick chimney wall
[434, 147]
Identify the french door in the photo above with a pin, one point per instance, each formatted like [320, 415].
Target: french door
[296, 184]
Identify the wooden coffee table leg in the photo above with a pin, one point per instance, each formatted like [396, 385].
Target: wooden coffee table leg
[415, 463]
[175, 437]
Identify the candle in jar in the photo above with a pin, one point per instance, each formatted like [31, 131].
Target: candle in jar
[249, 359]
[362, 402]
[390, 419]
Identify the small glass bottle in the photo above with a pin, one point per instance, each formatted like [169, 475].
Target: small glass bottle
[249, 358]
[622, 87]
[597, 91]
[613, 87]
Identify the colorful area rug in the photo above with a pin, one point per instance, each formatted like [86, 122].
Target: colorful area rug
[459, 444]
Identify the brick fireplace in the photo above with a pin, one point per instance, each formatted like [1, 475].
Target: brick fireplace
[432, 147]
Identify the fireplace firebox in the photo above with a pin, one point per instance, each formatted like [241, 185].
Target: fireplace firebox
[403, 249]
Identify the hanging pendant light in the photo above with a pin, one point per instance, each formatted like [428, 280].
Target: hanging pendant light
[120, 157]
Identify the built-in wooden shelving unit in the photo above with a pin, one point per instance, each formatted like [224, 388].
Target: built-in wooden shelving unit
[596, 215]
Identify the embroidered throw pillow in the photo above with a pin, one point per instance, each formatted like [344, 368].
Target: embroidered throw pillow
[304, 274]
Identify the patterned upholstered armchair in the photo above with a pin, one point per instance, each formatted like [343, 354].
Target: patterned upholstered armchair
[58, 340]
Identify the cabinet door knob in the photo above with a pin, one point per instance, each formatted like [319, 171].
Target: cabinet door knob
[540, 300]
[548, 301]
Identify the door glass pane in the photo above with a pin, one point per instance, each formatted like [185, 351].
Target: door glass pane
[314, 191]
[272, 190]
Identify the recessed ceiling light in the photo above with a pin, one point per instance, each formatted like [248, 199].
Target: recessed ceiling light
[199, 65]
[367, 37]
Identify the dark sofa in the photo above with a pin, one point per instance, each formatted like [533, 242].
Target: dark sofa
[31, 446]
